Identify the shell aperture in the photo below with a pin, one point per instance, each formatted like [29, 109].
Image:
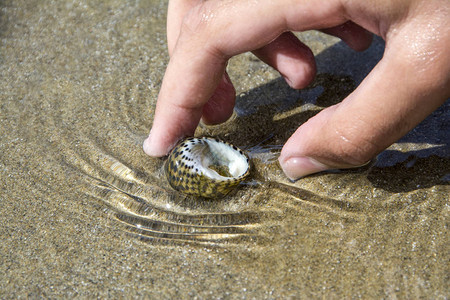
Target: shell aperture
[206, 167]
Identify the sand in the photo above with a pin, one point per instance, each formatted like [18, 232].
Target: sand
[85, 213]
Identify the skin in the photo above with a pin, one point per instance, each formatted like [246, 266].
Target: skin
[410, 82]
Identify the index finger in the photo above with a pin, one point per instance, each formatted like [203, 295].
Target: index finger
[210, 35]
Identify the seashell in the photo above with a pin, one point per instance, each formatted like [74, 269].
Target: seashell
[206, 167]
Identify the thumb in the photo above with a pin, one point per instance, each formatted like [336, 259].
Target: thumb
[397, 95]
[330, 140]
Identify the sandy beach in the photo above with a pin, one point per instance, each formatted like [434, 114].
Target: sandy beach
[85, 213]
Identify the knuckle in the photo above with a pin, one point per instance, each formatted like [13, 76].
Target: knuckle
[196, 20]
[199, 30]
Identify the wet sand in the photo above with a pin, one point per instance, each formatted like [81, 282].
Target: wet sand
[85, 213]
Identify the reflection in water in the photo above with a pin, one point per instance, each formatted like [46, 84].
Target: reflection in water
[143, 204]
[151, 210]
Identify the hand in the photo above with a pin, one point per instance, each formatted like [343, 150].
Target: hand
[411, 80]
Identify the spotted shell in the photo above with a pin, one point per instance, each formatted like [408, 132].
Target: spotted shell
[206, 167]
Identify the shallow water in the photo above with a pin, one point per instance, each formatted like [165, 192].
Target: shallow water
[86, 213]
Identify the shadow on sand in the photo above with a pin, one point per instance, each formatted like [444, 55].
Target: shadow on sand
[340, 70]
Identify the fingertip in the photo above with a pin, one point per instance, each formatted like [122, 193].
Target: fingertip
[159, 145]
[152, 149]
[293, 59]
[327, 141]
[299, 69]
[299, 75]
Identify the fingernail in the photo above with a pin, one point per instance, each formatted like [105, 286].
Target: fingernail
[297, 167]
[227, 79]
[151, 148]
[155, 148]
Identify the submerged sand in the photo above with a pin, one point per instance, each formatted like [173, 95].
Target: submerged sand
[84, 212]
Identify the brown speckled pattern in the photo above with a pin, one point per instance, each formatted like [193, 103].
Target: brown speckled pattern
[183, 174]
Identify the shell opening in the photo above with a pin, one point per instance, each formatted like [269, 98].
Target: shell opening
[222, 161]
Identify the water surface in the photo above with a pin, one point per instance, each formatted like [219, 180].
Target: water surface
[86, 213]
